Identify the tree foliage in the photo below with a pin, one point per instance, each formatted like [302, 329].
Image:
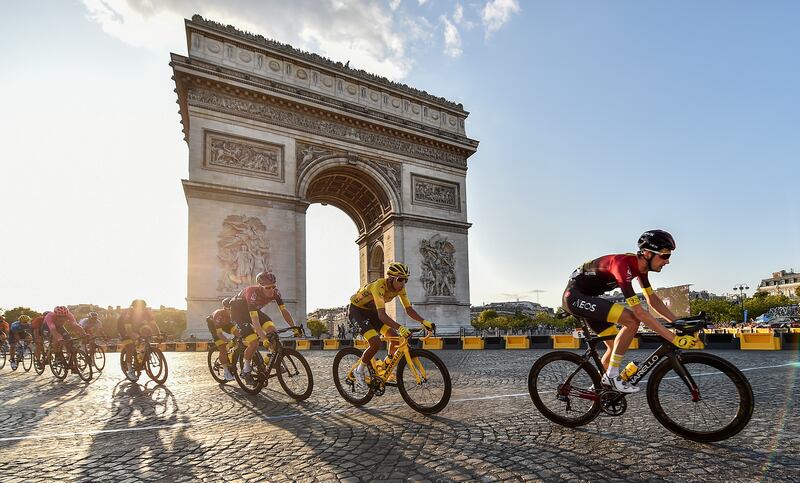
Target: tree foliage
[489, 319]
[316, 327]
[722, 311]
[14, 314]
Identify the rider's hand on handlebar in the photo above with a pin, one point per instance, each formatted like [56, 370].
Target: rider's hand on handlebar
[403, 331]
[430, 326]
[684, 341]
[298, 331]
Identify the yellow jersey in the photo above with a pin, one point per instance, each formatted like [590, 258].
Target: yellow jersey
[375, 295]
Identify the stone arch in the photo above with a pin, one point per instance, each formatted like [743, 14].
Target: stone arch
[376, 263]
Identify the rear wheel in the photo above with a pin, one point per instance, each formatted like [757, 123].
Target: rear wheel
[125, 363]
[58, 364]
[568, 401]
[156, 366]
[721, 408]
[344, 364]
[294, 375]
[252, 382]
[40, 362]
[425, 385]
[3, 354]
[27, 358]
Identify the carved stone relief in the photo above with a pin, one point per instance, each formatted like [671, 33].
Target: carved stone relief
[243, 156]
[436, 193]
[265, 112]
[438, 267]
[242, 250]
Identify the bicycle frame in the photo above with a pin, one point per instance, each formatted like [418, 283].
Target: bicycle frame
[665, 350]
[402, 350]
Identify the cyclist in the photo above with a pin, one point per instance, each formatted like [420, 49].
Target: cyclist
[367, 314]
[57, 322]
[4, 328]
[220, 326]
[132, 323]
[93, 327]
[19, 330]
[252, 322]
[37, 328]
[601, 275]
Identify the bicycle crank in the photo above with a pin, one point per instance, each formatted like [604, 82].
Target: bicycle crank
[613, 403]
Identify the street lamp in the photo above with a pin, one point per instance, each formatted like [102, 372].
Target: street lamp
[742, 295]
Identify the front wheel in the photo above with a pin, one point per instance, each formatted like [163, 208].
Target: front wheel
[83, 365]
[215, 367]
[39, 363]
[562, 387]
[3, 353]
[721, 407]
[252, 382]
[294, 374]
[344, 364]
[156, 366]
[58, 364]
[425, 385]
[27, 358]
[99, 358]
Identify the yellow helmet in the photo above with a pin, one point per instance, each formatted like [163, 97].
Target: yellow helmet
[397, 269]
[24, 319]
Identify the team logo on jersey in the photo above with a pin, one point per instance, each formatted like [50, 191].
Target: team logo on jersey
[582, 304]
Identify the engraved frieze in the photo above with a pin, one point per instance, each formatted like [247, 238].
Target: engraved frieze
[242, 250]
[438, 267]
[263, 111]
[434, 192]
[243, 156]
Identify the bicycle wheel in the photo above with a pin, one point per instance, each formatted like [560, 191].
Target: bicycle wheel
[58, 364]
[124, 362]
[99, 358]
[3, 353]
[570, 403]
[215, 366]
[722, 407]
[343, 365]
[156, 366]
[426, 385]
[27, 358]
[83, 363]
[254, 381]
[39, 363]
[294, 374]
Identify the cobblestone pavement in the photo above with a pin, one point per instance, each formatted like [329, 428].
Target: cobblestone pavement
[196, 430]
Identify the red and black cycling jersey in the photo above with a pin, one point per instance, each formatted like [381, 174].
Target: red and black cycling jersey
[222, 320]
[256, 297]
[606, 273]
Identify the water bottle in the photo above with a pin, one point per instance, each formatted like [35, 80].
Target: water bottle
[629, 371]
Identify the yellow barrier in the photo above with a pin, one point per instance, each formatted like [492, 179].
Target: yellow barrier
[435, 343]
[201, 347]
[794, 330]
[180, 347]
[565, 342]
[330, 344]
[634, 344]
[762, 330]
[517, 342]
[763, 342]
[162, 346]
[302, 344]
[473, 343]
[360, 343]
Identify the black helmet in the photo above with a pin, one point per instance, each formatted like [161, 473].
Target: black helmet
[226, 302]
[266, 278]
[656, 240]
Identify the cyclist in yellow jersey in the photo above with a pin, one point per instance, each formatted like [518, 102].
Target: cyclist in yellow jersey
[367, 313]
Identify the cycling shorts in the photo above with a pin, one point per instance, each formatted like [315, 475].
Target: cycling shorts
[241, 316]
[366, 322]
[601, 315]
[216, 332]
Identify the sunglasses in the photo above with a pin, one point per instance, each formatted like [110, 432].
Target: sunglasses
[402, 279]
[269, 287]
[663, 256]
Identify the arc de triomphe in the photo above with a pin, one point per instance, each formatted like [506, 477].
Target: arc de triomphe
[272, 129]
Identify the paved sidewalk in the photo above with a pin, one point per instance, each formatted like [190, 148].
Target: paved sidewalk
[196, 430]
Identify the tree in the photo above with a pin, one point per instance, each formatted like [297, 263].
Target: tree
[13, 314]
[317, 327]
[172, 321]
[797, 292]
[717, 310]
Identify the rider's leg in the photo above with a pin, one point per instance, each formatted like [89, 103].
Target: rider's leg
[607, 354]
[623, 340]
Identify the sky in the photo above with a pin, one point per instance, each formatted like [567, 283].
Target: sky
[596, 121]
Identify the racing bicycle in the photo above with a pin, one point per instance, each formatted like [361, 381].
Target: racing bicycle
[69, 357]
[421, 377]
[148, 358]
[698, 396]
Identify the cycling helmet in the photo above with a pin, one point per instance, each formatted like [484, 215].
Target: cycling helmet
[138, 303]
[92, 315]
[656, 240]
[226, 302]
[24, 319]
[266, 278]
[397, 269]
[44, 314]
[61, 311]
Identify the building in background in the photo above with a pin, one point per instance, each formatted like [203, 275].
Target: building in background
[511, 308]
[784, 282]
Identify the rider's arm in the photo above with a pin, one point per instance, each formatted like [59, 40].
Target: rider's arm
[380, 305]
[255, 322]
[413, 314]
[74, 325]
[386, 319]
[651, 322]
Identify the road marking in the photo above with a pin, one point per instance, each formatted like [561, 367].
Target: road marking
[300, 415]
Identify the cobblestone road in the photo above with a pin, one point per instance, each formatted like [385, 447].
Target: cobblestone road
[196, 430]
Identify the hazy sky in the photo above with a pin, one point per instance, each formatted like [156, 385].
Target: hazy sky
[597, 121]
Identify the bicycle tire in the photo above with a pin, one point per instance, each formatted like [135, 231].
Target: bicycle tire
[291, 365]
[40, 363]
[123, 363]
[156, 357]
[2, 355]
[58, 365]
[256, 371]
[586, 375]
[99, 360]
[83, 364]
[351, 355]
[215, 367]
[658, 397]
[27, 359]
[418, 357]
